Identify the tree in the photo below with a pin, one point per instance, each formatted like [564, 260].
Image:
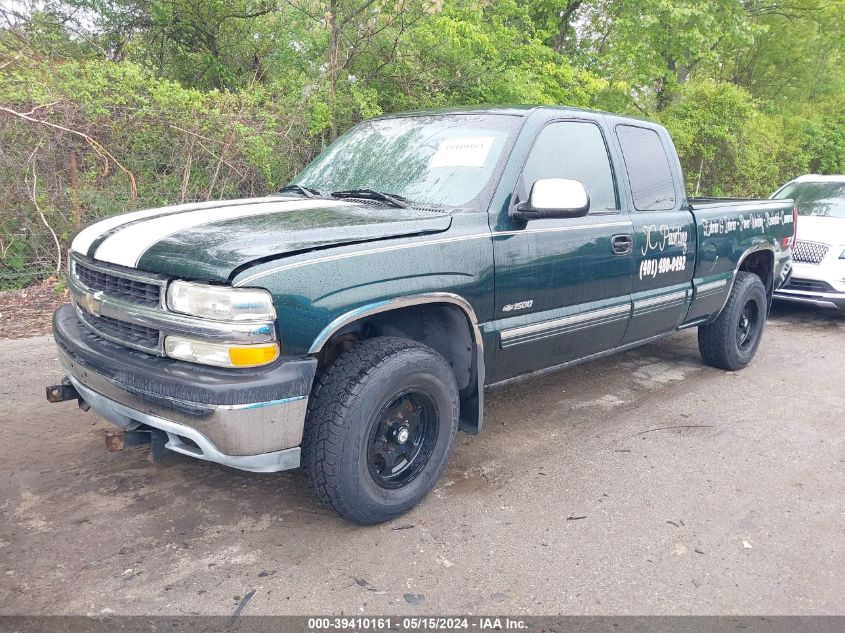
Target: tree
[655, 45]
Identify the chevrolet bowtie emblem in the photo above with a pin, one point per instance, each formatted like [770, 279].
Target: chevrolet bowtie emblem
[92, 302]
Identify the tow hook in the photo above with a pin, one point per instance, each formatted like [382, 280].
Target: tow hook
[118, 439]
[66, 391]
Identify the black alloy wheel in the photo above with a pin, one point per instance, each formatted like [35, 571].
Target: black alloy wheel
[748, 327]
[731, 340]
[381, 424]
[402, 437]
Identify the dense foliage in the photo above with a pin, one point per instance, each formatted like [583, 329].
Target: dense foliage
[109, 105]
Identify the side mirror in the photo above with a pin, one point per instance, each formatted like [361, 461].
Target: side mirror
[553, 198]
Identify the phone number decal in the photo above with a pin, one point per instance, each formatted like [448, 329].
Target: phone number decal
[661, 265]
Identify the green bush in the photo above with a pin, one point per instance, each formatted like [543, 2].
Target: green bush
[130, 104]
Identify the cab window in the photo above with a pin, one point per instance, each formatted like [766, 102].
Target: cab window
[574, 150]
[652, 186]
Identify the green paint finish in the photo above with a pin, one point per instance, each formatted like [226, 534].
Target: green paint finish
[730, 232]
[312, 289]
[562, 267]
[664, 261]
[545, 292]
[220, 248]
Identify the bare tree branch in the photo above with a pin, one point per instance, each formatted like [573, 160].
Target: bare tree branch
[101, 151]
[34, 196]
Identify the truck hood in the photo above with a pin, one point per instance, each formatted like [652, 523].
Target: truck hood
[817, 228]
[210, 241]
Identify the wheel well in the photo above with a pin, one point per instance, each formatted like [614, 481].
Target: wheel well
[443, 327]
[762, 264]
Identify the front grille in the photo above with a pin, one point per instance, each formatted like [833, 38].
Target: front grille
[809, 252]
[121, 332]
[807, 285]
[130, 290]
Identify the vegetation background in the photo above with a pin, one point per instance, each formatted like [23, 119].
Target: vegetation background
[112, 105]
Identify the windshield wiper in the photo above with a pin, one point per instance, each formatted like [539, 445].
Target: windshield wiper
[391, 198]
[308, 192]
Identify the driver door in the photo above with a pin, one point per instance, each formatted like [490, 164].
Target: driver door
[563, 285]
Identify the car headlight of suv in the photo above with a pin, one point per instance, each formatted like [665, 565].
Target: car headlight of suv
[221, 303]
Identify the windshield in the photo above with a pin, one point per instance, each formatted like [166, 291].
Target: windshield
[817, 198]
[434, 160]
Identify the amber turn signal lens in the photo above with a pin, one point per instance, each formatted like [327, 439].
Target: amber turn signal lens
[253, 355]
[220, 354]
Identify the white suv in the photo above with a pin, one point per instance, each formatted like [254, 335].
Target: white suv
[818, 256]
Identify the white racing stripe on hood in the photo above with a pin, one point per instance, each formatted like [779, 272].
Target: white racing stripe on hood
[87, 236]
[126, 247]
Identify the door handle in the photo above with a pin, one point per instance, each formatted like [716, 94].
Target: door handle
[622, 244]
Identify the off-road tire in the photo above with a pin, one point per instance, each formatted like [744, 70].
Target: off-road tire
[718, 340]
[346, 399]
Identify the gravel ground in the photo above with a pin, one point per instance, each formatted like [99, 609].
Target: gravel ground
[645, 483]
[30, 310]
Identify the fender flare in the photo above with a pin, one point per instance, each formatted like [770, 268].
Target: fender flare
[471, 422]
[764, 246]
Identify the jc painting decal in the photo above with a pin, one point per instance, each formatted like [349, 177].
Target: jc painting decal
[657, 239]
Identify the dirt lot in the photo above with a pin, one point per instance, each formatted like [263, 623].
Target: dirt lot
[29, 311]
[645, 483]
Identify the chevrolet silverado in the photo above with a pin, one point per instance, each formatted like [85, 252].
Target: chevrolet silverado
[350, 324]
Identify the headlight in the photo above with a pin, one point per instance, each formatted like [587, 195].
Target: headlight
[220, 354]
[221, 303]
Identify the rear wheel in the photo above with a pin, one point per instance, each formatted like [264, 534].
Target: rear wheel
[380, 428]
[731, 341]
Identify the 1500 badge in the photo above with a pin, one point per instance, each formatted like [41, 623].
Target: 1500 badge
[522, 305]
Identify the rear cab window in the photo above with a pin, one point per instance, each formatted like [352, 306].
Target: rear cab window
[647, 165]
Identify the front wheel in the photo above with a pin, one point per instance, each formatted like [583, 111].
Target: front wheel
[380, 428]
[731, 341]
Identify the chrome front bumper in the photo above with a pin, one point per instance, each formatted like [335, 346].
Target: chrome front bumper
[198, 446]
[247, 419]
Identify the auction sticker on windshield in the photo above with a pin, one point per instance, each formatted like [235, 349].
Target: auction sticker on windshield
[462, 152]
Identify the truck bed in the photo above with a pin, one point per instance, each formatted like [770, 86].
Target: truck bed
[706, 202]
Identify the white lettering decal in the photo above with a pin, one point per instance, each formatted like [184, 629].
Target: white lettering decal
[661, 265]
[658, 238]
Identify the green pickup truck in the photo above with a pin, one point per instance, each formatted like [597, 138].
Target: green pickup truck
[350, 324]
